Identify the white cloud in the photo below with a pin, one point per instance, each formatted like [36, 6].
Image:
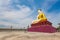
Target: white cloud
[14, 15]
[4, 2]
[23, 12]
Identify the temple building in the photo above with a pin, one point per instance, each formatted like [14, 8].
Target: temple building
[41, 24]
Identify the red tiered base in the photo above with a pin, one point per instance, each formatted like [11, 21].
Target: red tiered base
[42, 27]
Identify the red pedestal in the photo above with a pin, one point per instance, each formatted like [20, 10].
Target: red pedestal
[42, 27]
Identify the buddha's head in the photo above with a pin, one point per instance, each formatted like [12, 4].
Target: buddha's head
[39, 11]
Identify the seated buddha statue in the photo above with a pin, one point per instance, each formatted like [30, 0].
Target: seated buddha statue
[40, 18]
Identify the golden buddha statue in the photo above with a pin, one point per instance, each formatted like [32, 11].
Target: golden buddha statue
[41, 17]
[41, 24]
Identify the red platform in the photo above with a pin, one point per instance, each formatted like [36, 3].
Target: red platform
[45, 26]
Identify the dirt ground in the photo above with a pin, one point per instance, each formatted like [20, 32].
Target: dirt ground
[22, 35]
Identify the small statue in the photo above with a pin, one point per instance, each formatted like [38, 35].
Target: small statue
[41, 17]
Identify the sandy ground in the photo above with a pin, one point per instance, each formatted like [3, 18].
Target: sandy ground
[21, 35]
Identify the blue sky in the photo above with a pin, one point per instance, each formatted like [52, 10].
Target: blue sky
[20, 13]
